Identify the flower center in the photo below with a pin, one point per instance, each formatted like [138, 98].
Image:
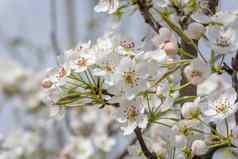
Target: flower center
[131, 112]
[109, 67]
[196, 73]
[82, 61]
[130, 77]
[223, 40]
[222, 106]
[184, 130]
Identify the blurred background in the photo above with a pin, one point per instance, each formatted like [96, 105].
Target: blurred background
[32, 34]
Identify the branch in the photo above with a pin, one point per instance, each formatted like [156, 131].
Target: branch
[125, 151]
[144, 7]
[145, 150]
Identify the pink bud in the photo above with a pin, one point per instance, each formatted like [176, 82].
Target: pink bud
[170, 48]
[46, 83]
[61, 72]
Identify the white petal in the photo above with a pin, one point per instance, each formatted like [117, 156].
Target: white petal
[129, 129]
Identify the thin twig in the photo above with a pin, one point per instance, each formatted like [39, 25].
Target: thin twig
[144, 7]
[125, 152]
[148, 154]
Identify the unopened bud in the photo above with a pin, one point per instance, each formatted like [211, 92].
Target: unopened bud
[195, 30]
[199, 147]
[46, 83]
[170, 48]
[190, 110]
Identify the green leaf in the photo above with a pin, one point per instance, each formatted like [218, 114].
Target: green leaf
[120, 11]
[184, 99]
[212, 57]
[165, 75]
[192, 5]
[68, 99]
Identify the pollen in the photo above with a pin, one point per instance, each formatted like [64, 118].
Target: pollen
[109, 67]
[82, 61]
[223, 41]
[130, 77]
[131, 112]
[222, 106]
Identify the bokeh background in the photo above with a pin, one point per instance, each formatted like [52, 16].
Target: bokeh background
[26, 49]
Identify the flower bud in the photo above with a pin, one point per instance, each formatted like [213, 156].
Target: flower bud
[199, 147]
[46, 83]
[170, 48]
[190, 110]
[165, 34]
[195, 30]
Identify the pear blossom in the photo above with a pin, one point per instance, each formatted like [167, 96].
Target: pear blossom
[80, 58]
[222, 107]
[57, 76]
[226, 152]
[131, 115]
[223, 39]
[197, 71]
[136, 85]
[131, 77]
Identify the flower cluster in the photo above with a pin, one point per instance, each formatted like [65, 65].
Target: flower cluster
[154, 91]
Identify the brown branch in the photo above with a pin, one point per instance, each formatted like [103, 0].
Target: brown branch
[125, 152]
[144, 148]
[144, 8]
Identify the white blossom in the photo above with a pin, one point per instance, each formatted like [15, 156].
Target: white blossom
[131, 114]
[197, 71]
[222, 107]
[199, 147]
